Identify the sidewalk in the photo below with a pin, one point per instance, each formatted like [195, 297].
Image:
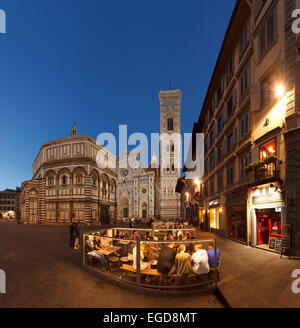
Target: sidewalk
[251, 277]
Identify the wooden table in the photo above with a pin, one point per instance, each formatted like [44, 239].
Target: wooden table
[109, 250]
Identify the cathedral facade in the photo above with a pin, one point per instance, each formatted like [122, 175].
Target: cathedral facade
[138, 189]
[68, 185]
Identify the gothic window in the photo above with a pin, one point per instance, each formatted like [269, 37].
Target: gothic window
[170, 124]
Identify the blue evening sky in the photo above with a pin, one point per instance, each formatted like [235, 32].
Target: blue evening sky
[101, 63]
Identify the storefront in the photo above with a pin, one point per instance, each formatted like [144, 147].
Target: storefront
[214, 212]
[268, 213]
[236, 204]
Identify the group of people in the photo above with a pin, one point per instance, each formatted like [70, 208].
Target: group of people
[172, 257]
[186, 260]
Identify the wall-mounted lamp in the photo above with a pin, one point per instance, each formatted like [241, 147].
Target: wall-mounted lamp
[280, 91]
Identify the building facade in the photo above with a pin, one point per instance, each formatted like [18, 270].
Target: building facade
[251, 121]
[68, 185]
[10, 203]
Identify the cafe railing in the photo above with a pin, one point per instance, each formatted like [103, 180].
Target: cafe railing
[135, 262]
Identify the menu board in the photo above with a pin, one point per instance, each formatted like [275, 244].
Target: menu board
[286, 242]
[278, 246]
[272, 243]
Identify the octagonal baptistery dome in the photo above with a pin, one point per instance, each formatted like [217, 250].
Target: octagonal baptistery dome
[68, 185]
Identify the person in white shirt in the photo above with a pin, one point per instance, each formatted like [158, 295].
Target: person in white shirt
[200, 260]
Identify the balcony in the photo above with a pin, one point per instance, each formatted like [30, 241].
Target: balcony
[263, 172]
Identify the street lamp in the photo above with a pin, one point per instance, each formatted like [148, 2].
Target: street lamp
[280, 91]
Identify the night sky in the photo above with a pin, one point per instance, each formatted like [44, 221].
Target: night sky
[100, 63]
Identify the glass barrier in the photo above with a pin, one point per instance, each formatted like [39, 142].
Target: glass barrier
[145, 259]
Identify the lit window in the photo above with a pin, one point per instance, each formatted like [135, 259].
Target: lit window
[268, 149]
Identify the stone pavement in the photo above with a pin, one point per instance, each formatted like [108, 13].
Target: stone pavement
[251, 277]
[43, 271]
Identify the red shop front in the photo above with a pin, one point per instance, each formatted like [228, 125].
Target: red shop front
[268, 225]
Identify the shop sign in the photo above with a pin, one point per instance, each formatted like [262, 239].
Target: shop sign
[268, 198]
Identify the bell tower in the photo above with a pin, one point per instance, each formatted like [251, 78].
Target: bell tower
[170, 152]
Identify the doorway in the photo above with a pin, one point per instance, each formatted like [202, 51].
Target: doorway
[268, 225]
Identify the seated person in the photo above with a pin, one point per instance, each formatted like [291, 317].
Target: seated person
[97, 243]
[133, 236]
[166, 259]
[169, 237]
[149, 236]
[89, 244]
[187, 236]
[120, 235]
[105, 242]
[91, 252]
[211, 255]
[182, 266]
[190, 248]
[200, 260]
[143, 265]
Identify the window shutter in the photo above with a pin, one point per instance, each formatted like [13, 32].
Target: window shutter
[234, 98]
[225, 113]
[224, 146]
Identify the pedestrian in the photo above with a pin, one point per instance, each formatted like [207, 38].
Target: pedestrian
[72, 239]
[76, 235]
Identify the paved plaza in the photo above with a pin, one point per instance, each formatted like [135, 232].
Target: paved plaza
[251, 277]
[43, 271]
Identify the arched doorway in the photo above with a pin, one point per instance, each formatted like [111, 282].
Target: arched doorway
[144, 211]
[124, 208]
[33, 206]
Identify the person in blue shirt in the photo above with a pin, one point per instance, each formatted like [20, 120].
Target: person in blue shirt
[211, 255]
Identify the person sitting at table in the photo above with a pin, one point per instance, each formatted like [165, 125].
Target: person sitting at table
[211, 255]
[180, 234]
[105, 242]
[182, 266]
[133, 236]
[166, 260]
[120, 235]
[169, 237]
[143, 265]
[187, 236]
[149, 236]
[97, 243]
[190, 248]
[89, 244]
[200, 260]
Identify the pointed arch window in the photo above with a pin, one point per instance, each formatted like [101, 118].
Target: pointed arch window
[170, 124]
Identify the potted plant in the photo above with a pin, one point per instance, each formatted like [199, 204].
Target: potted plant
[271, 159]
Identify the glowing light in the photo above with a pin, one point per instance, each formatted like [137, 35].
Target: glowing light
[197, 182]
[280, 91]
[271, 150]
